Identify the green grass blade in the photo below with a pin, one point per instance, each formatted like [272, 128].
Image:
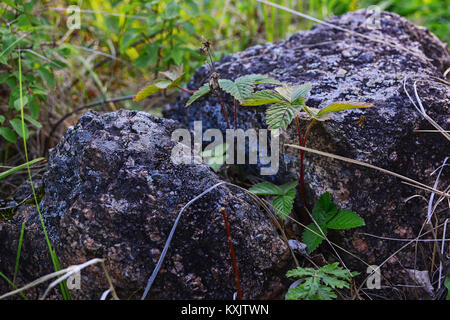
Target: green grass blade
[12, 285]
[56, 266]
[19, 249]
[3, 175]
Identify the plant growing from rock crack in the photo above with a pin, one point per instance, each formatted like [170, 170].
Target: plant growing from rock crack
[239, 89]
[318, 284]
[285, 195]
[327, 215]
[288, 102]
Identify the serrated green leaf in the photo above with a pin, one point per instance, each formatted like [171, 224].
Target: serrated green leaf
[263, 97]
[301, 93]
[266, 188]
[324, 209]
[345, 219]
[289, 186]
[204, 89]
[8, 134]
[340, 106]
[283, 204]
[252, 79]
[310, 238]
[279, 116]
[318, 284]
[237, 90]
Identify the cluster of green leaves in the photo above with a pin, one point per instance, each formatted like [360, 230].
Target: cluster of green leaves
[287, 101]
[152, 35]
[318, 284]
[326, 216]
[240, 89]
[21, 32]
[284, 195]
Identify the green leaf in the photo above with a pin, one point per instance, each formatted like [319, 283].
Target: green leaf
[283, 204]
[242, 87]
[266, 188]
[301, 93]
[289, 186]
[204, 89]
[2, 119]
[340, 106]
[252, 79]
[345, 219]
[47, 75]
[239, 92]
[263, 97]
[152, 89]
[175, 75]
[8, 134]
[280, 115]
[35, 123]
[312, 240]
[318, 284]
[324, 209]
[35, 107]
[17, 126]
[171, 11]
[18, 105]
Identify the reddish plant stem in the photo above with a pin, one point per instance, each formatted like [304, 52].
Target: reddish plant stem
[233, 256]
[224, 111]
[302, 172]
[185, 90]
[235, 113]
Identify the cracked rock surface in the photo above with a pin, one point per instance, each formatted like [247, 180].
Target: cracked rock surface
[345, 67]
[112, 192]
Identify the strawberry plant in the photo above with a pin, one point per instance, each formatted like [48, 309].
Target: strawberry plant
[284, 195]
[318, 284]
[288, 102]
[327, 215]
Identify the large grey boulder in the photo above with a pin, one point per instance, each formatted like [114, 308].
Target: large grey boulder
[112, 192]
[344, 66]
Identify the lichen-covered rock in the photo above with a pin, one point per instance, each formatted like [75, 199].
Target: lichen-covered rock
[112, 192]
[345, 67]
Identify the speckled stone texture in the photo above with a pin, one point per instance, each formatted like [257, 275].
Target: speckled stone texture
[343, 66]
[112, 192]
